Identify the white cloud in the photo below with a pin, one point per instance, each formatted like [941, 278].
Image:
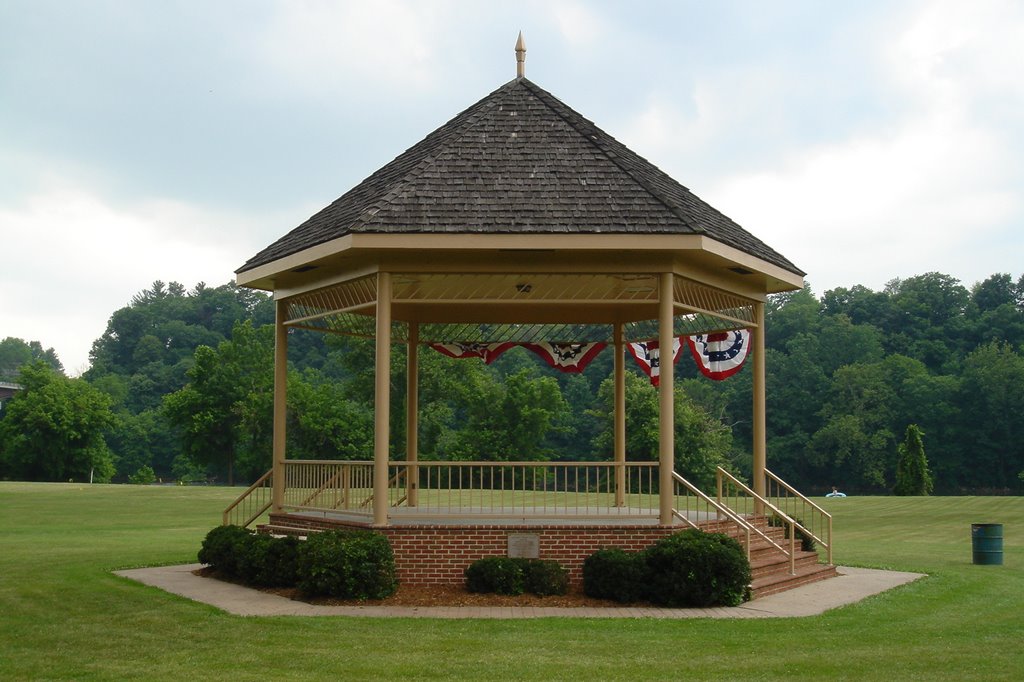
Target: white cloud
[662, 126]
[326, 46]
[935, 185]
[579, 25]
[869, 209]
[71, 259]
[951, 49]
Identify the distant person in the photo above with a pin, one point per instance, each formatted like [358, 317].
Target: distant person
[835, 493]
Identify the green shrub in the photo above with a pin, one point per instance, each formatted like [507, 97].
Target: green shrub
[220, 548]
[497, 574]
[545, 577]
[807, 543]
[144, 476]
[516, 575]
[267, 561]
[697, 569]
[347, 565]
[612, 573]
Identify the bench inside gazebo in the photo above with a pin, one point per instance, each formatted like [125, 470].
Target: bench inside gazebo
[519, 222]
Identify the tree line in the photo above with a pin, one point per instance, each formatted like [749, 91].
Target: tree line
[180, 387]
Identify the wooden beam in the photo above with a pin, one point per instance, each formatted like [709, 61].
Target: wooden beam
[620, 417]
[666, 403]
[760, 445]
[382, 401]
[280, 418]
[412, 401]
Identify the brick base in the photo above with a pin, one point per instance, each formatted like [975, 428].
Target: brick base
[439, 554]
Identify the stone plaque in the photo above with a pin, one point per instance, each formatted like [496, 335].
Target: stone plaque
[524, 545]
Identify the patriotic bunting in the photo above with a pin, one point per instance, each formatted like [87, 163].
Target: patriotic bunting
[720, 355]
[647, 356]
[489, 352]
[566, 357]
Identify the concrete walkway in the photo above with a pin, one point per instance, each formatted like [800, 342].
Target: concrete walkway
[852, 585]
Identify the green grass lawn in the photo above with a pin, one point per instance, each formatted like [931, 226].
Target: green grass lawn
[64, 615]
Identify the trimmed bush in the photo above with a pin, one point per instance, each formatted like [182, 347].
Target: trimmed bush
[545, 577]
[267, 561]
[697, 569]
[221, 548]
[612, 573]
[347, 565]
[512, 576]
[497, 574]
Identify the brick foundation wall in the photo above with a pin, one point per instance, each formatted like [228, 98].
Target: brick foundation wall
[439, 554]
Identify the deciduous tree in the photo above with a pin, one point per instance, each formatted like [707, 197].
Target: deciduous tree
[53, 429]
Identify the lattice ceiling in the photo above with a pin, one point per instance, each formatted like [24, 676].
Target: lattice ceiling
[349, 307]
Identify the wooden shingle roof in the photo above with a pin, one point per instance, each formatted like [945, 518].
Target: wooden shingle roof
[519, 161]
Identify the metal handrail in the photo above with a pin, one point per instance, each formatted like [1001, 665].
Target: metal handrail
[761, 503]
[822, 520]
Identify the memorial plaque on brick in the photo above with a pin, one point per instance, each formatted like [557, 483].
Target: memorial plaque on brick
[524, 545]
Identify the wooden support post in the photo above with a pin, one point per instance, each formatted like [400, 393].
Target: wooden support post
[760, 446]
[412, 402]
[382, 401]
[280, 418]
[666, 402]
[620, 417]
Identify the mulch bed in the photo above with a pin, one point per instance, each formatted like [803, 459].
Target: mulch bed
[434, 595]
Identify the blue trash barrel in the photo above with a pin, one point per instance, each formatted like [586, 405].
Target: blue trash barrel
[987, 543]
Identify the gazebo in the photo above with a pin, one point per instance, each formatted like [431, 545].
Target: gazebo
[519, 222]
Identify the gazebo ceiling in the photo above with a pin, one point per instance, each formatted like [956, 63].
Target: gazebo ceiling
[493, 307]
[519, 183]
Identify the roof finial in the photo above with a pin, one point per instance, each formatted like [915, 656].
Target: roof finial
[520, 56]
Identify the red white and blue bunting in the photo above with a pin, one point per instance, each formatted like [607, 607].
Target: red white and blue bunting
[720, 355]
[648, 356]
[571, 358]
[489, 352]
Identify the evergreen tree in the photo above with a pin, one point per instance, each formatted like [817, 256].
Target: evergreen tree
[912, 475]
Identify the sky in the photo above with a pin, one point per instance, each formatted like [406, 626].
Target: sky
[171, 140]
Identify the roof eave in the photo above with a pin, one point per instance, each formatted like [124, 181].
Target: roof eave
[355, 251]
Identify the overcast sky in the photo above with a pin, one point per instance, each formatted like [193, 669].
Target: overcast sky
[144, 139]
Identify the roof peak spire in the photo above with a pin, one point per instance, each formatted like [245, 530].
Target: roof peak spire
[520, 56]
